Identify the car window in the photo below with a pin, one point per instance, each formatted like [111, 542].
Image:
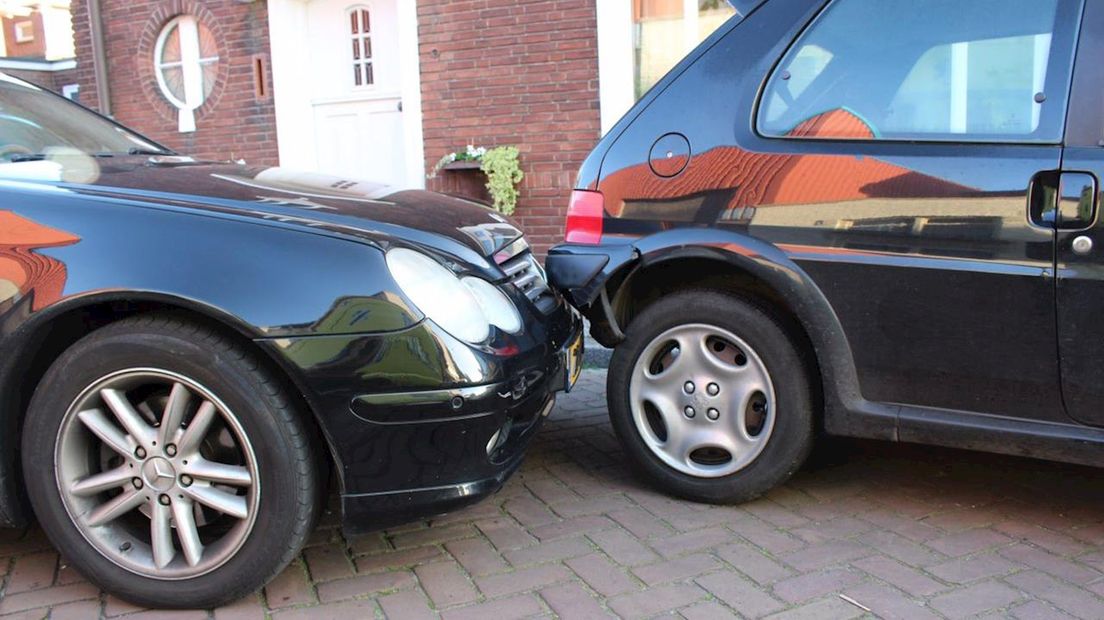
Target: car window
[35, 122]
[923, 69]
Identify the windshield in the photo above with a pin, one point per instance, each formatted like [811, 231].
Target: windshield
[34, 122]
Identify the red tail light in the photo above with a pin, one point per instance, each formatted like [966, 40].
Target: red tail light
[585, 215]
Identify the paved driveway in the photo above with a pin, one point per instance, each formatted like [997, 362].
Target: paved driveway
[875, 529]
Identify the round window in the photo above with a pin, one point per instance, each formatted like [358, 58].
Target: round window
[186, 60]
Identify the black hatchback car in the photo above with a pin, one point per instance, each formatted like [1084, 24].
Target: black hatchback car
[188, 349]
[875, 217]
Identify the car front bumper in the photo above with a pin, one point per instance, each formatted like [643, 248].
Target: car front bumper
[419, 423]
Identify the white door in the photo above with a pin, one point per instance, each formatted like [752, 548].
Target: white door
[355, 89]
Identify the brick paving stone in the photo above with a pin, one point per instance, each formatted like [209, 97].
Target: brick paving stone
[1064, 596]
[816, 584]
[690, 542]
[81, 610]
[1028, 555]
[602, 575]
[969, 541]
[677, 569]
[446, 584]
[362, 608]
[248, 608]
[707, 610]
[571, 600]
[522, 606]
[623, 548]
[522, 580]
[905, 577]
[552, 551]
[328, 562]
[408, 605]
[357, 587]
[766, 536]
[290, 587]
[975, 599]
[752, 562]
[835, 608]
[114, 606]
[402, 558]
[477, 556]
[529, 511]
[505, 534]
[901, 548]
[656, 600]
[641, 523]
[826, 554]
[32, 572]
[571, 527]
[888, 604]
[433, 535]
[1038, 610]
[741, 595]
[44, 597]
[973, 568]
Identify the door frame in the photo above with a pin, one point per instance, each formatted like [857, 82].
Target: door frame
[295, 124]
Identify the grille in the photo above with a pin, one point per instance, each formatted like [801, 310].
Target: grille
[527, 275]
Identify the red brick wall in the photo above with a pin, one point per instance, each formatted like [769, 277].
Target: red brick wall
[233, 122]
[502, 72]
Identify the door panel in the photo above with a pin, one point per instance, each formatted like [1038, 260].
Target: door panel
[1080, 275]
[1080, 300]
[358, 122]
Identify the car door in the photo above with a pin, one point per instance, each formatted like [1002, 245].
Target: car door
[1079, 249]
[915, 160]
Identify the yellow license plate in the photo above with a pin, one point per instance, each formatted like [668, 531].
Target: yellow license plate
[573, 362]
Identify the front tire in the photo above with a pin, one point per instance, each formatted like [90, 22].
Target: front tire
[168, 466]
[710, 398]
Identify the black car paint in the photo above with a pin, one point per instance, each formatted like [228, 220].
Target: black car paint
[298, 268]
[950, 338]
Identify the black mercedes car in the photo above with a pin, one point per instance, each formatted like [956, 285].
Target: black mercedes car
[190, 351]
[873, 218]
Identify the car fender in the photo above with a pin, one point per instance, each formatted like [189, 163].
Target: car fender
[613, 266]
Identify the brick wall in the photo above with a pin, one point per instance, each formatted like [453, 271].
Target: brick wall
[233, 122]
[500, 72]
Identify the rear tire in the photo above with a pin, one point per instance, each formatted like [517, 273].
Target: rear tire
[168, 466]
[710, 398]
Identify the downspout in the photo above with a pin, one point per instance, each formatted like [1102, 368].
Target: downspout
[99, 58]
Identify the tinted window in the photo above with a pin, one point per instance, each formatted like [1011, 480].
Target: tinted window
[33, 121]
[924, 69]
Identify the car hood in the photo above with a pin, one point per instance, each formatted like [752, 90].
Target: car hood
[320, 202]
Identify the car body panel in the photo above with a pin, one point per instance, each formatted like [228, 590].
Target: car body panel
[294, 263]
[939, 282]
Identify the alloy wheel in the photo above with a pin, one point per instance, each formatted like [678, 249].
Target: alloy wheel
[157, 473]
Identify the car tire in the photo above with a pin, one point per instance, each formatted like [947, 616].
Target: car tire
[176, 534]
[710, 398]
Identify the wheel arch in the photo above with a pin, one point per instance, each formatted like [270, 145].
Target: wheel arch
[738, 263]
[37, 343]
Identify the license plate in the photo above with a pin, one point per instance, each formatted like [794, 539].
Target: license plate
[573, 361]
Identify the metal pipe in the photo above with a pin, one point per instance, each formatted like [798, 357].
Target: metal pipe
[99, 58]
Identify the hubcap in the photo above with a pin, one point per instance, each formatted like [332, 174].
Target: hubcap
[157, 473]
[702, 400]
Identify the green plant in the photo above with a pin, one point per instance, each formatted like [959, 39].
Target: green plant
[471, 153]
[503, 171]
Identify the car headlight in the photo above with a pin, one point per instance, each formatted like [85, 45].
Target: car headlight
[464, 308]
[496, 306]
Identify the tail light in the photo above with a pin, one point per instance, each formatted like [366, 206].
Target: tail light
[585, 215]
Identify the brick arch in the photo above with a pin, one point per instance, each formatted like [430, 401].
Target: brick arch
[147, 42]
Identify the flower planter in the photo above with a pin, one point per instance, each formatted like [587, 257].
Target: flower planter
[464, 178]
